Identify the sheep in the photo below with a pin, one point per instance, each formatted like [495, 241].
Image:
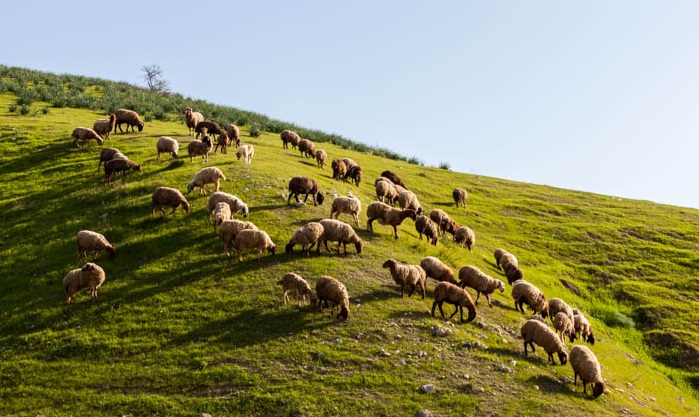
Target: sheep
[394, 178]
[84, 134]
[408, 200]
[192, 118]
[349, 163]
[403, 274]
[104, 127]
[290, 137]
[88, 241]
[340, 232]
[437, 215]
[211, 127]
[222, 141]
[246, 152]
[321, 157]
[296, 283]
[385, 191]
[453, 294]
[130, 117]
[228, 231]
[208, 175]
[107, 154]
[254, 239]
[167, 145]
[339, 169]
[450, 226]
[332, 290]
[459, 195]
[524, 292]
[435, 269]
[535, 331]
[166, 196]
[221, 213]
[513, 273]
[563, 325]
[583, 328]
[119, 165]
[199, 148]
[307, 148]
[304, 185]
[89, 276]
[387, 215]
[424, 224]
[464, 236]
[354, 174]
[233, 135]
[307, 235]
[472, 277]
[556, 305]
[347, 205]
[237, 205]
[503, 257]
[586, 365]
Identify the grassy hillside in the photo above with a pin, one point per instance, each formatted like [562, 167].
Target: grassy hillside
[181, 329]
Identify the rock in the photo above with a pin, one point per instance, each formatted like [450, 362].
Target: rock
[204, 415]
[571, 287]
[427, 388]
[512, 363]
[505, 369]
[336, 341]
[441, 331]
[424, 413]
[384, 353]
[471, 344]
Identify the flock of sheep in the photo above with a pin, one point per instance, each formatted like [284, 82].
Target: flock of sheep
[244, 236]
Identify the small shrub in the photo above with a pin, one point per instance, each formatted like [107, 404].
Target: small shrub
[255, 130]
[445, 166]
[12, 108]
[414, 160]
[618, 319]
[24, 110]
[45, 110]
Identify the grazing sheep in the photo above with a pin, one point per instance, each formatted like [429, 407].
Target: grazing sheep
[321, 158]
[524, 292]
[464, 236]
[104, 127]
[307, 148]
[354, 174]
[583, 328]
[130, 117]
[228, 231]
[394, 178]
[107, 154]
[340, 232]
[192, 118]
[513, 273]
[233, 135]
[89, 276]
[408, 200]
[459, 195]
[385, 190]
[199, 148]
[246, 152]
[472, 277]
[403, 274]
[435, 269]
[339, 169]
[222, 141]
[557, 305]
[166, 196]
[208, 175]
[307, 235]
[292, 282]
[347, 205]
[221, 213]
[84, 134]
[437, 215]
[254, 239]
[167, 145]
[236, 204]
[119, 165]
[88, 241]
[424, 224]
[387, 215]
[503, 257]
[586, 365]
[450, 226]
[453, 294]
[563, 325]
[349, 163]
[212, 129]
[328, 289]
[305, 185]
[534, 331]
[290, 137]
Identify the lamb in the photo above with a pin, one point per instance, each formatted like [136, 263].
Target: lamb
[236, 204]
[233, 135]
[221, 213]
[246, 152]
[412, 275]
[354, 174]
[192, 118]
[89, 276]
[453, 294]
[307, 148]
[348, 205]
[459, 195]
[130, 117]
[222, 141]
[167, 145]
[107, 154]
[387, 215]
[340, 232]
[306, 236]
[339, 169]
[583, 328]
[85, 134]
[199, 148]
[586, 365]
[524, 292]
[208, 175]
[534, 331]
[408, 200]
[321, 157]
[211, 127]
[104, 127]
[166, 196]
[254, 239]
[228, 231]
[394, 178]
[304, 185]
[290, 137]
[88, 241]
[464, 236]
[563, 325]
[119, 165]
[332, 290]
[295, 283]
[385, 190]
[424, 224]
[435, 269]
[472, 277]
[556, 305]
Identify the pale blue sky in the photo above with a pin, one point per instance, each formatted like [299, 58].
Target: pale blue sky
[599, 96]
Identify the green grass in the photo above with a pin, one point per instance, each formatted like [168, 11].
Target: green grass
[180, 329]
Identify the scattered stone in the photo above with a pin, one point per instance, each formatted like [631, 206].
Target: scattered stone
[505, 369]
[629, 385]
[384, 353]
[427, 388]
[651, 399]
[441, 331]
[424, 413]
[512, 363]
[474, 344]
[402, 362]
[336, 341]
[421, 354]
[204, 415]
[481, 325]
[536, 387]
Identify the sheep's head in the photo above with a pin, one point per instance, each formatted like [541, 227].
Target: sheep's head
[344, 313]
[563, 357]
[88, 267]
[111, 252]
[590, 339]
[320, 197]
[359, 246]
[390, 263]
[272, 249]
[597, 389]
[190, 187]
[409, 213]
[185, 206]
[245, 210]
[434, 240]
[289, 247]
[501, 286]
[187, 111]
[140, 126]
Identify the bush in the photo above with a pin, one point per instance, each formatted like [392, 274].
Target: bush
[255, 130]
[45, 110]
[12, 108]
[618, 319]
[445, 166]
[24, 110]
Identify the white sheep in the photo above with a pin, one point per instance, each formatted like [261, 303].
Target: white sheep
[246, 152]
[424, 225]
[472, 277]
[459, 195]
[340, 232]
[329, 289]
[435, 269]
[171, 197]
[582, 327]
[104, 127]
[464, 236]
[85, 134]
[385, 190]
[208, 175]
[306, 236]
[237, 205]
[534, 331]
[404, 275]
[88, 241]
[254, 239]
[292, 282]
[387, 215]
[563, 325]
[557, 305]
[167, 145]
[321, 158]
[408, 200]
[89, 276]
[586, 365]
[228, 231]
[221, 213]
[347, 205]
[453, 294]
[524, 292]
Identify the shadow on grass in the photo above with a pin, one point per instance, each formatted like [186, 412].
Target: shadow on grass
[551, 385]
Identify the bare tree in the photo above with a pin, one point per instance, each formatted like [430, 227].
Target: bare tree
[152, 75]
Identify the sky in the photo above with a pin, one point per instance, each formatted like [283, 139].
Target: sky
[599, 96]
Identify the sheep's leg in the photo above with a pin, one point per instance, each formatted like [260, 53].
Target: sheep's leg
[285, 297]
[424, 290]
[433, 307]
[478, 295]
[440, 309]
[487, 297]
[356, 218]
[456, 311]
[412, 290]
[525, 347]
[395, 232]
[369, 225]
[306, 198]
[325, 242]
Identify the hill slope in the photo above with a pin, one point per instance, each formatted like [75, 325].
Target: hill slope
[180, 329]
